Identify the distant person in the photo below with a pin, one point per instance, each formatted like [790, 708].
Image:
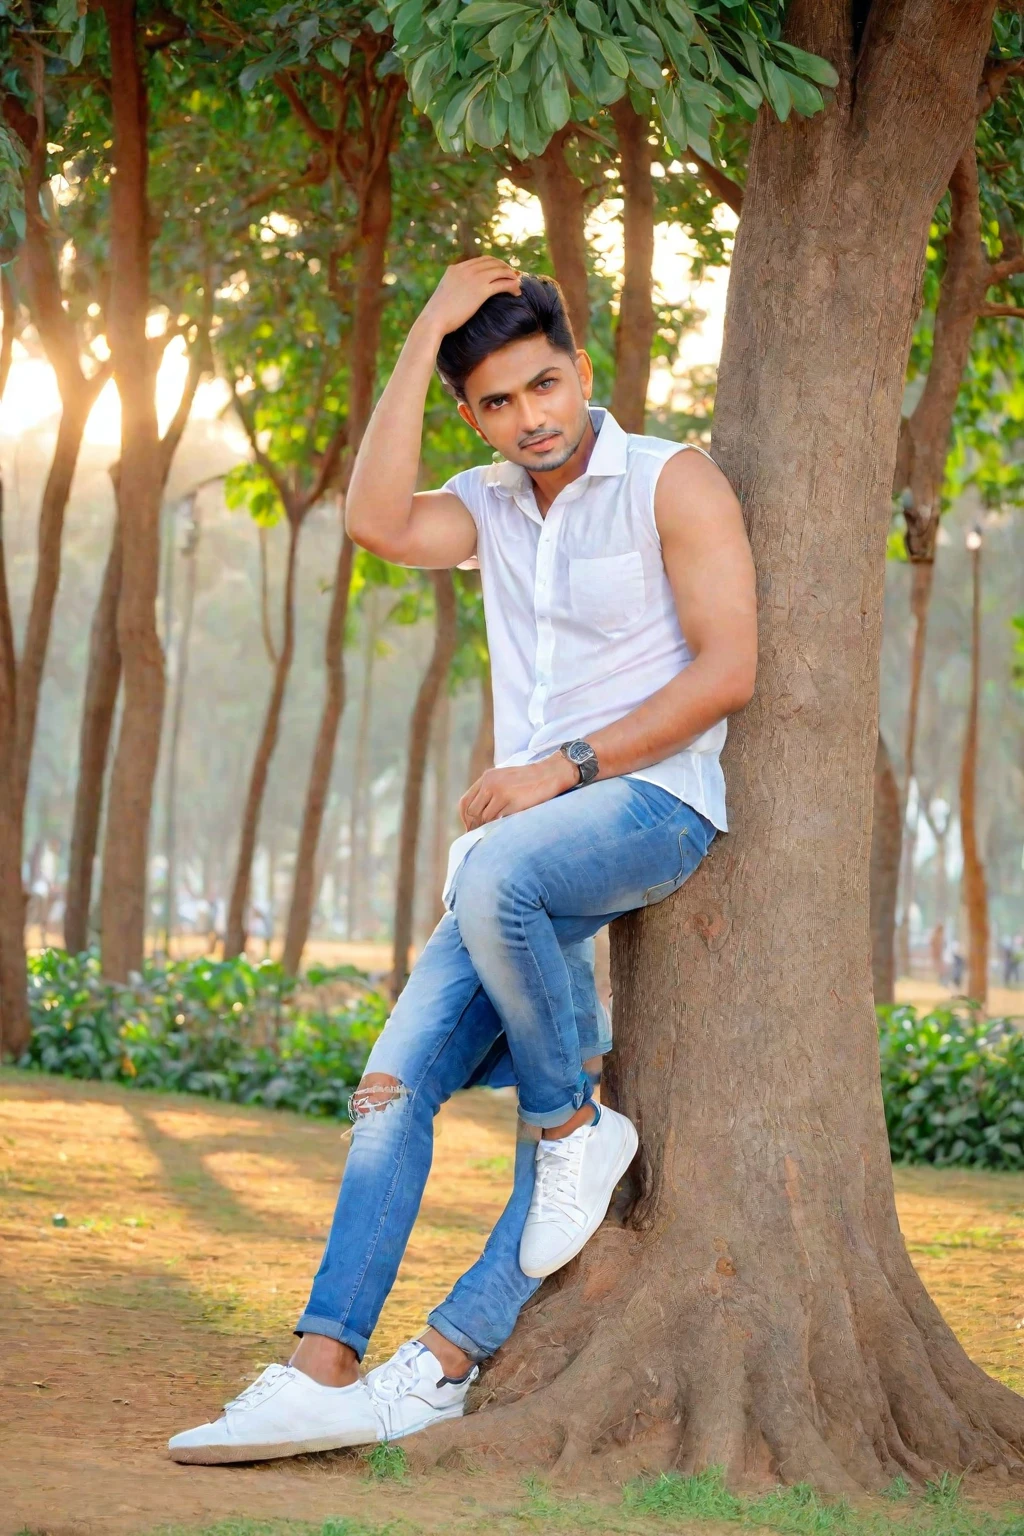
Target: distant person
[956, 967]
[619, 600]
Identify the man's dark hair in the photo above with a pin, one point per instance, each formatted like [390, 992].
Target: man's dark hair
[537, 310]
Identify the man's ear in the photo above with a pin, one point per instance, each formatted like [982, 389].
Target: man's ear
[469, 418]
[585, 369]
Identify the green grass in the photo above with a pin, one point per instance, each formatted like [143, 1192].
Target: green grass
[940, 1511]
[386, 1463]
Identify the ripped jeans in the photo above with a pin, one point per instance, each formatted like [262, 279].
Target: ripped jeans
[503, 992]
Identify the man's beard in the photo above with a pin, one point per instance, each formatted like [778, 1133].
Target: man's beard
[562, 456]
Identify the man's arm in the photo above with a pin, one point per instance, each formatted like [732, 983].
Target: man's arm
[383, 511]
[711, 571]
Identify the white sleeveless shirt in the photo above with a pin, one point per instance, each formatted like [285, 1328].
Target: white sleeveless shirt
[581, 619]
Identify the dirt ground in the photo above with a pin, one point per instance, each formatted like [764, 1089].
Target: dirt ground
[192, 1230]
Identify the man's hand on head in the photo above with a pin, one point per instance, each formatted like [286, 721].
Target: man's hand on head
[501, 791]
[463, 289]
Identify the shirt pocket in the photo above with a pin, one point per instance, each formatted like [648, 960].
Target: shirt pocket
[608, 591]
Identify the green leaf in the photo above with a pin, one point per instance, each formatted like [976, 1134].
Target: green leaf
[486, 13]
[253, 73]
[682, 16]
[807, 98]
[605, 86]
[778, 90]
[809, 64]
[643, 68]
[504, 34]
[614, 57]
[566, 35]
[77, 46]
[408, 21]
[650, 42]
[342, 50]
[524, 45]
[423, 75]
[378, 20]
[554, 99]
[455, 111]
[588, 15]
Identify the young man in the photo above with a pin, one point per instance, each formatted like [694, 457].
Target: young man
[619, 599]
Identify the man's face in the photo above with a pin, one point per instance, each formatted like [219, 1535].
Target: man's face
[529, 401]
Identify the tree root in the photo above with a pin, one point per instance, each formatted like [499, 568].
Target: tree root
[629, 1361]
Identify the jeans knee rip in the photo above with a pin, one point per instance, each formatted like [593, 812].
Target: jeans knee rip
[375, 1098]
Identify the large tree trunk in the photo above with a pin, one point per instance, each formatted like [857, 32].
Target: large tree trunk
[758, 1309]
[975, 895]
[374, 227]
[14, 1017]
[886, 837]
[235, 932]
[434, 679]
[102, 682]
[635, 330]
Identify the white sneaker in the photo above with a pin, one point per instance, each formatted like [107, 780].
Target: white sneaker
[411, 1391]
[574, 1182]
[283, 1413]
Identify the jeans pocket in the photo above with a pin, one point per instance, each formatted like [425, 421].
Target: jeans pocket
[693, 846]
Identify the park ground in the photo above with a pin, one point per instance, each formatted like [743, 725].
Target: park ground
[155, 1250]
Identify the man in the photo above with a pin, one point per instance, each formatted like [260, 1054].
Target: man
[619, 599]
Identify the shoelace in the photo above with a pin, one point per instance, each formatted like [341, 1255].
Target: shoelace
[399, 1374]
[557, 1173]
[260, 1387]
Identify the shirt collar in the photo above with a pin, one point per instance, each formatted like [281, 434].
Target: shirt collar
[608, 457]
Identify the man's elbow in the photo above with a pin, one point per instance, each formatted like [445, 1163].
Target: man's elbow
[361, 531]
[737, 686]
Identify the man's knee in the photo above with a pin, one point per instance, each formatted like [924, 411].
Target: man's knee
[492, 884]
[377, 1093]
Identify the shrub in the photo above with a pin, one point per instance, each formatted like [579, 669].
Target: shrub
[953, 1086]
[231, 1030]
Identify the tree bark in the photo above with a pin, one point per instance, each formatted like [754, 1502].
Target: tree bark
[975, 895]
[140, 483]
[235, 932]
[102, 683]
[434, 679]
[374, 227]
[886, 836]
[634, 332]
[923, 449]
[442, 811]
[191, 554]
[563, 200]
[767, 1317]
[481, 756]
[14, 1015]
[359, 841]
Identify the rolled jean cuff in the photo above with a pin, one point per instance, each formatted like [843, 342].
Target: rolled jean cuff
[447, 1330]
[329, 1329]
[548, 1119]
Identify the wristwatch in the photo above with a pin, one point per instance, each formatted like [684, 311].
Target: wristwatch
[583, 757]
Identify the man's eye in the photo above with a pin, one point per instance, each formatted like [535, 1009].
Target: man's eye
[492, 405]
[545, 383]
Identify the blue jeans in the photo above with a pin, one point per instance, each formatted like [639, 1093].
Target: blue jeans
[505, 984]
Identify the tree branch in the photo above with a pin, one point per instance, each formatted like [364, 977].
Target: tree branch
[1010, 311]
[716, 181]
[267, 465]
[994, 79]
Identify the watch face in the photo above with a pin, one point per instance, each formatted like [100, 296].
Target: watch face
[579, 752]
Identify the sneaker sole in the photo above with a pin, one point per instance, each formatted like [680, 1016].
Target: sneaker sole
[221, 1455]
[628, 1154]
[435, 1418]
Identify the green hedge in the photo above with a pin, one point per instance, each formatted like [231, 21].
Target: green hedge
[228, 1029]
[953, 1087]
[953, 1084]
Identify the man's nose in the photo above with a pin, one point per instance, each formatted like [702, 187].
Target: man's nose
[531, 417]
